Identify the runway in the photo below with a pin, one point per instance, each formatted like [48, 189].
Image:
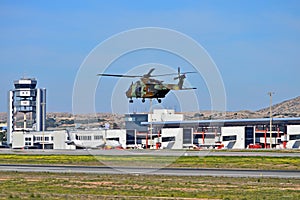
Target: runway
[151, 171]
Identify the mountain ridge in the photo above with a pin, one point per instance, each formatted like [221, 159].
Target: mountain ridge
[286, 108]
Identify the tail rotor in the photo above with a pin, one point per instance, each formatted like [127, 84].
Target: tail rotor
[181, 78]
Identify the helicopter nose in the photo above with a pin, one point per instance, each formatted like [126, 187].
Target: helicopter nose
[128, 93]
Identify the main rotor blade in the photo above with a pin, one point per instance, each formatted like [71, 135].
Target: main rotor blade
[119, 75]
[171, 74]
[144, 76]
[189, 88]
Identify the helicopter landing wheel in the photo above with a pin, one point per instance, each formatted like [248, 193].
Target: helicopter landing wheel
[130, 101]
[143, 100]
[159, 100]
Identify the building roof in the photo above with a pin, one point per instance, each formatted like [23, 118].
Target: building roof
[226, 122]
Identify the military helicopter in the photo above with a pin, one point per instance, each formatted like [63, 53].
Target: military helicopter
[149, 88]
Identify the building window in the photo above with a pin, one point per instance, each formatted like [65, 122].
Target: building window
[130, 137]
[249, 136]
[210, 136]
[38, 138]
[85, 137]
[168, 139]
[187, 136]
[295, 137]
[27, 138]
[98, 137]
[229, 138]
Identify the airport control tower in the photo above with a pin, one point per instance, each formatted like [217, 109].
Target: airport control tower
[27, 100]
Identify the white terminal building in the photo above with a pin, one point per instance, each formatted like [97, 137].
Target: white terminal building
[165, 129]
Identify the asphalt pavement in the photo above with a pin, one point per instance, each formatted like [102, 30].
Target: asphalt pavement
[151, 171]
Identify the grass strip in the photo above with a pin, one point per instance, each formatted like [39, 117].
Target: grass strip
[248, 162]
[16, 185]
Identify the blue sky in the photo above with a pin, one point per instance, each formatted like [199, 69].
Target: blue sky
[255, 44]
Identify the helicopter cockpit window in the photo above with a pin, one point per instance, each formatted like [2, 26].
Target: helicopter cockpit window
[138, 89]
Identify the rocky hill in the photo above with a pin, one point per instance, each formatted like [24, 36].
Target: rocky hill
[288, 108]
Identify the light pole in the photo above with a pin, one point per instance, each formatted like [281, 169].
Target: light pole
[151, 127]
[271, 117]
[43, 121]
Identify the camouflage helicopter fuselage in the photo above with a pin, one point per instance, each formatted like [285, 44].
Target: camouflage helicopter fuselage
[150, 88]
